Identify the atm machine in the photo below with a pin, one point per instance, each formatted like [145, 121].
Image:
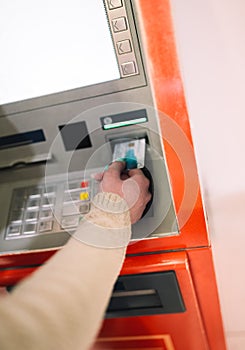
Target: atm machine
[86, 77]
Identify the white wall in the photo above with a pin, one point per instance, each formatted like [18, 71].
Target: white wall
[210, 37]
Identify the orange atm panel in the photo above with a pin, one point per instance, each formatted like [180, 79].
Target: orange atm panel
[193, 323]
[189, 255]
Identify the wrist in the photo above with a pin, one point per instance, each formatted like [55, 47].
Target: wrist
[109, 210]
[108, 224]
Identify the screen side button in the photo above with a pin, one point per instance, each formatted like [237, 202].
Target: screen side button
[128, 68]
[124, 47]
[119, 24]
[114, 4]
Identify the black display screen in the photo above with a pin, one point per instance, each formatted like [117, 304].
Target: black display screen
[75, 136]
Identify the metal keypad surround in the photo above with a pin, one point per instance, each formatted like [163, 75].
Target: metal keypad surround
[35, 210]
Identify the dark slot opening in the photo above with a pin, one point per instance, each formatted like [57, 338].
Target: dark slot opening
[132, 302]
[22, 139]
[146, 294]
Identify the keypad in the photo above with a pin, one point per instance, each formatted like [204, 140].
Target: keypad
[46, 209]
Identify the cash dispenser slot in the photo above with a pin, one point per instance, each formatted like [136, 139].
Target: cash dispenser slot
[25, 160]
[9, 144]
[146, 294]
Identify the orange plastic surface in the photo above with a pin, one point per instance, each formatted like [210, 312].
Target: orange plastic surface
[159, 41]
[202, 270]
[186, 329]
[200, 327]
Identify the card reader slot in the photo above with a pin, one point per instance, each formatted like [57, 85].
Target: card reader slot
[22, 139]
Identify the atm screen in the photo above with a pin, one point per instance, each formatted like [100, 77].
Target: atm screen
[65, 47]
[58, 46]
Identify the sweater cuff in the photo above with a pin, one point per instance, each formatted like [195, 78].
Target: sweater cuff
[110, 203]
[108, 224]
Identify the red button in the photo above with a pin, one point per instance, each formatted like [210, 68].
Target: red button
[84, 184]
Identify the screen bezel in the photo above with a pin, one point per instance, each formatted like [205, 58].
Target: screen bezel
[91, 91]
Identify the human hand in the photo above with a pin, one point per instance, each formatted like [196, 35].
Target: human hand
[133, 186]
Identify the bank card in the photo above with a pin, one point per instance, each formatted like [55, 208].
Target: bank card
[131, 149]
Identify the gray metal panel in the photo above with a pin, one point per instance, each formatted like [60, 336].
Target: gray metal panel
[87, 104]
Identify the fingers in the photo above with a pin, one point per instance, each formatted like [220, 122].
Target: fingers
[118, 166]
[132, 185]
[114, 171]
[124, 176]
[97, 176]
[133, 172]
[139, 176]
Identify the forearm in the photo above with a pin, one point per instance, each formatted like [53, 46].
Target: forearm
[55, 308]
[61, 306]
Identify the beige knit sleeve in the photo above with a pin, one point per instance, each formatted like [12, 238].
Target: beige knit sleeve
[61, 306]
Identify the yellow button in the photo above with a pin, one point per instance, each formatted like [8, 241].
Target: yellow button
[84, 196]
